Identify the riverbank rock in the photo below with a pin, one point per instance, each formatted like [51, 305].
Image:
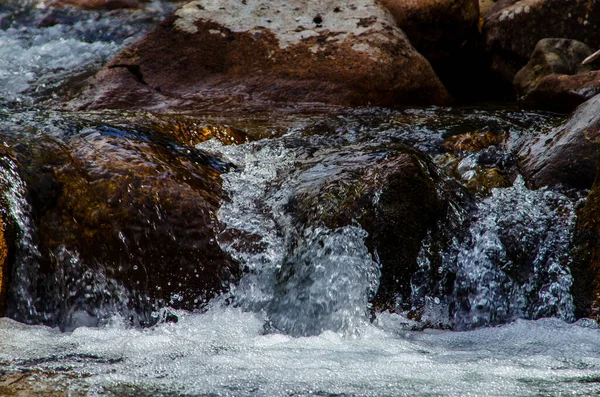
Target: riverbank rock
[391, 194]
[445, 32]
[126, 224]
[513, 28]
[239, 53]
[569, 153]
[586, 257]
[555, 79]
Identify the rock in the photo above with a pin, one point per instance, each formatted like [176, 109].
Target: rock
[4, 282]
[126, 224]
[445, 32]
[485, 5]
[472, 141]
[98, 4]
[233, 53]
[513, 28]
[391, 194]
[555, 78]
[586, 257]
[569, 153]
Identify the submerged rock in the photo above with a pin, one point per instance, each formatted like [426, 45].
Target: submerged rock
[255, 52]
[513, 28]
[569, 153]
[391, 194]
[125, 223]
[555, 79]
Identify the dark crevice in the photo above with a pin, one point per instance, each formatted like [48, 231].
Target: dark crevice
[133, 69]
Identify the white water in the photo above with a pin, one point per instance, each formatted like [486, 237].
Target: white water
[238, 351]
[225, 352]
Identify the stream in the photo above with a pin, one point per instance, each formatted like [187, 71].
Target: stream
[488, 310]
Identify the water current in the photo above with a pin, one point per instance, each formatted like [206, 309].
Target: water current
[492, 316]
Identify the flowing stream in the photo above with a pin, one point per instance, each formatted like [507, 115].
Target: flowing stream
[492, 308]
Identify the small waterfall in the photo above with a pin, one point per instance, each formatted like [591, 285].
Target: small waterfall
[513, 262]
[306, 280]
[26, 266]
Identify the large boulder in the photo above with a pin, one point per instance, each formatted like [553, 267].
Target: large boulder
[513, 28]
[227, 53]
[555, 78]
[124, 222]
[569, 153]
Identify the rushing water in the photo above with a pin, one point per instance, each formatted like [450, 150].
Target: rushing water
[299, 322]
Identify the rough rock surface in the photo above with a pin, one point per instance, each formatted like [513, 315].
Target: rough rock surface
[569, 153]
[238, 52]
[513, 28]
[554, 78]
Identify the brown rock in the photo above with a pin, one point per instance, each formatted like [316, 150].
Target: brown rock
[554, 78]
[3, 267]
[563, 93]
[512, 29]
[586, 257]
[126, 224]
[233, 53]
[569, 153]
[98, 4]
[472, 141]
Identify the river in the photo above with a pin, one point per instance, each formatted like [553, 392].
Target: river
[513, 334]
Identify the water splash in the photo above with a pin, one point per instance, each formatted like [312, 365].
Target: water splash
[513, 263]
[26, 265]
[307, 280]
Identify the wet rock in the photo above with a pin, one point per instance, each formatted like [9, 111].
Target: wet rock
[99, 4]
[586, 257]
[445, 32]
[569, 153]
[4, 282]
[513, 28]
[238, 53]
[472, 141]
[125, 224]
[391, 194]
[555, 79]
[190, 131]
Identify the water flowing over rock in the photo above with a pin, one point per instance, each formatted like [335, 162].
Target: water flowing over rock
[569, 153]
[555, 79]
[513, 28]
[391, 195]
[251, 52]
[121, 221]
[512, 263]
